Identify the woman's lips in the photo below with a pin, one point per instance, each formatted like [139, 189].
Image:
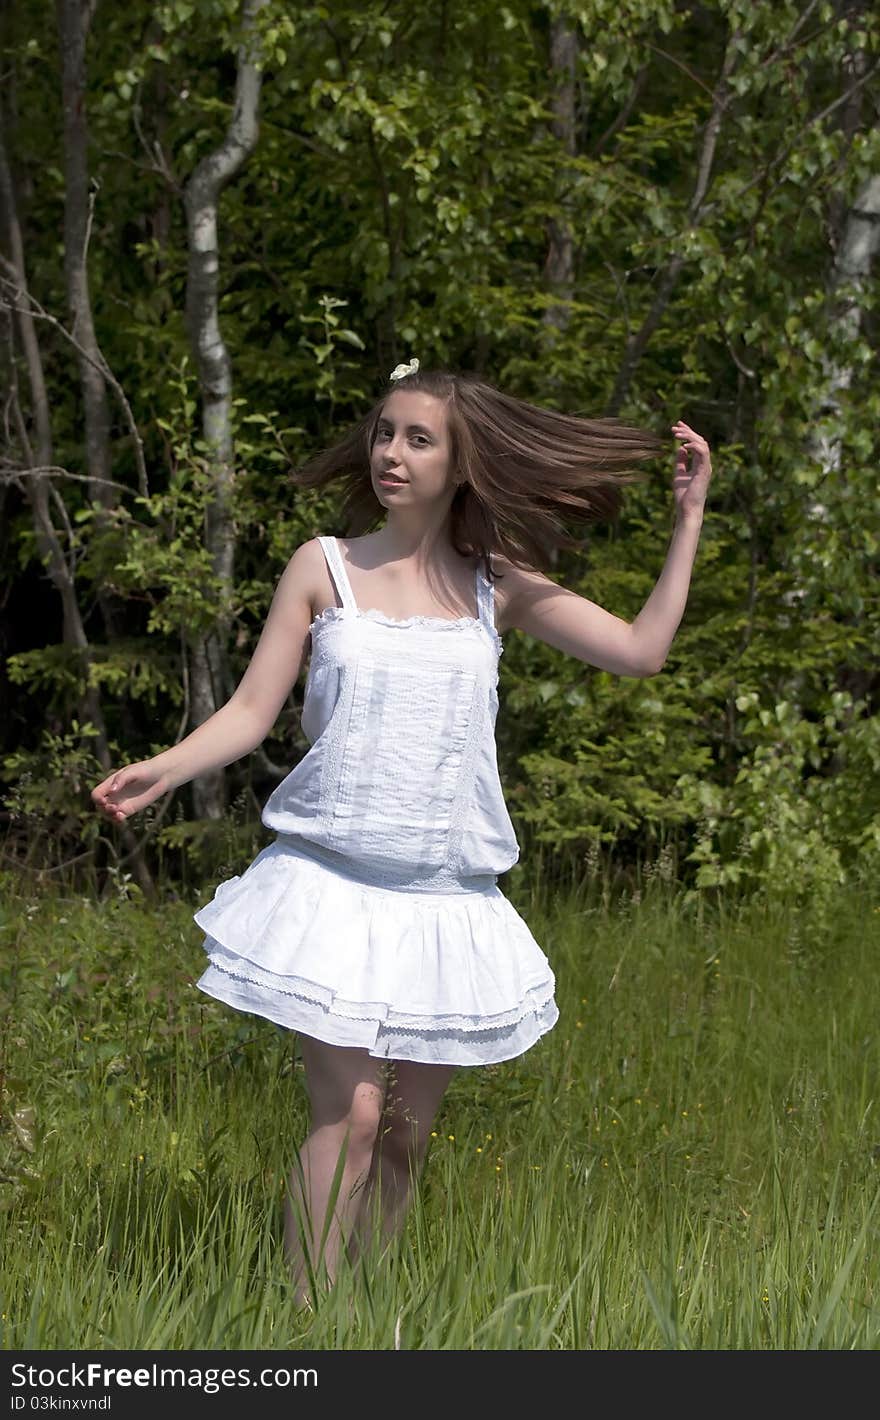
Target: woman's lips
[388, 482]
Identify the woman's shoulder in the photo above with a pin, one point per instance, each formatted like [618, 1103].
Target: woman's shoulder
[307, 570]
[309, 553]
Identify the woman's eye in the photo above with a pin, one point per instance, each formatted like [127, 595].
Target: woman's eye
[385, 433]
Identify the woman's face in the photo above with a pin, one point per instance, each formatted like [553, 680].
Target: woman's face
[409, 463]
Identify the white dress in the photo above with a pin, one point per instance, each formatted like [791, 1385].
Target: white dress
[374, 918]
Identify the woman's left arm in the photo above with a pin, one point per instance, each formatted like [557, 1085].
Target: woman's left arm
[654, 628]
[581, 628]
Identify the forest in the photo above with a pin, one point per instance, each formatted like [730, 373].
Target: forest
[223, 222]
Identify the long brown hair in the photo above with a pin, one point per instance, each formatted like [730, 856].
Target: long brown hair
[526, 470]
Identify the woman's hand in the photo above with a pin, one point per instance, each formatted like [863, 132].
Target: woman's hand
[127, 791]
[693, 470]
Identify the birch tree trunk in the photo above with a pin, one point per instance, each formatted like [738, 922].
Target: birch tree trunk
[209, 675]
[848, 283]
[857, 231]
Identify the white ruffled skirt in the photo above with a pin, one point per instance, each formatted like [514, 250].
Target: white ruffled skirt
[452, 978]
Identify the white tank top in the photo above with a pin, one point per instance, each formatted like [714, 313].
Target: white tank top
[400, 786]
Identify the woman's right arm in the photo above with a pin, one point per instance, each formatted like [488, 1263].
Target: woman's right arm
[246, 719]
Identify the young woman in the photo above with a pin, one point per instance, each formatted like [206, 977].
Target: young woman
[372, 924]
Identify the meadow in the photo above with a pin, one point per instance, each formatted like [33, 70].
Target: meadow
[689, 1160]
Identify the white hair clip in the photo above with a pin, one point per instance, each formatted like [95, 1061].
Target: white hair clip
[401, 371]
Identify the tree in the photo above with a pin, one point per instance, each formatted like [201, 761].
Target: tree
[210, 679]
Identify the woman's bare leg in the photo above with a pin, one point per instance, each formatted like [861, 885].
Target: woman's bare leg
[412, 1099]
[346, 1088]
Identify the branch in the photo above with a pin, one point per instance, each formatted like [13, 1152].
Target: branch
[149, 832]
[685, 69]
[743, 369]
[636, 346]
[784, 49]
[621, 295]
[166, 803]
[811, 123]
[34, 309]
[268, 766]
[44, 868]
[788, 45]
[158, 162]
[621, 120]
[218, 167]
[328, 154]
[71, 540]
[11, 473]
[27, 333]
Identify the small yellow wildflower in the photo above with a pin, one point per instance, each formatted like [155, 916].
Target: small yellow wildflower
[433, 1133]
[479, 1149]
[451, 1136]
[579, 1024]
[488, 1136]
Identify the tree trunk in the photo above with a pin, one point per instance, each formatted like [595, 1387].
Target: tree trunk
[37, 488]
[74, 21]
[856, 235]
[209, 674]
[848, 283]
[559, 264]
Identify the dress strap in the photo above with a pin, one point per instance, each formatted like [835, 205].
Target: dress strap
[485, 598]
[330, 547]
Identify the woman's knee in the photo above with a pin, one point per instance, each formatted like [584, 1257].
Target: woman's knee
[346, 1090]
[362, 1120]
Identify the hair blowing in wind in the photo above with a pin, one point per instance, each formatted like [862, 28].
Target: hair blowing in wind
[529, 474]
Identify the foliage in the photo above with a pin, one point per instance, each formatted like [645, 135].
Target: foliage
[399, 201]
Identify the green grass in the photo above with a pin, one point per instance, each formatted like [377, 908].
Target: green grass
[690, 1159]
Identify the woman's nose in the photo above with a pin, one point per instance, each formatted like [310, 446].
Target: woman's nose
[392, 452]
